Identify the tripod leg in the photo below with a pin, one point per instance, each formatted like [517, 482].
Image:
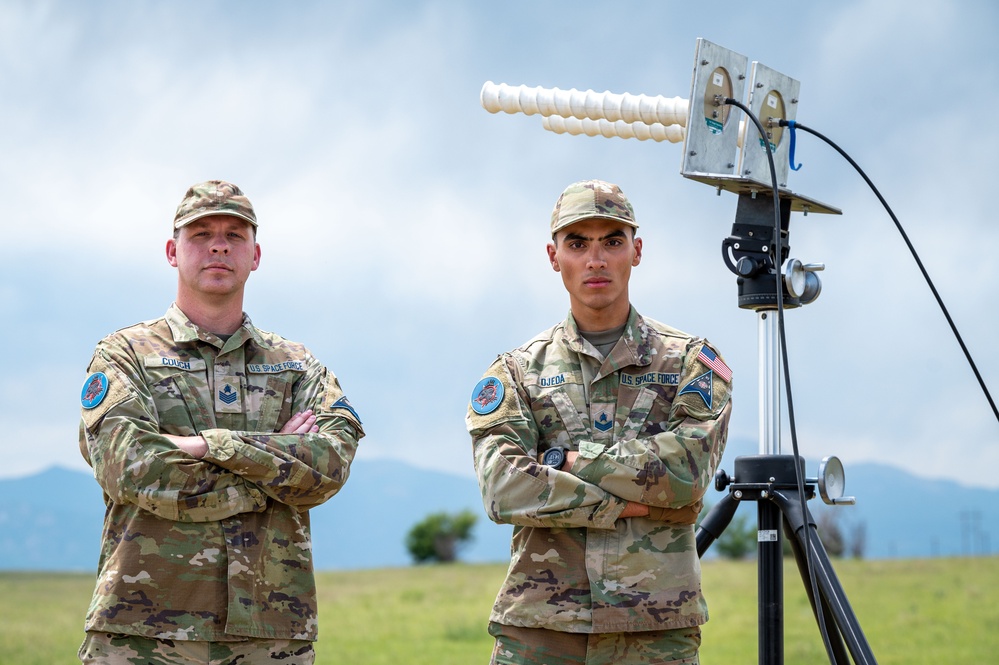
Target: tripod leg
[833, 595]
[770, 584]
[840, 656]
[711, 527]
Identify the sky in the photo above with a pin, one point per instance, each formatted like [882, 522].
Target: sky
[403, 227]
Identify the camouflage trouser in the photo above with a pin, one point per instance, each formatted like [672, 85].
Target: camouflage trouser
[537, 646]
[111, 649]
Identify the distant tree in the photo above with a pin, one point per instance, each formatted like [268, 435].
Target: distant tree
[830, 532]
[438, 536]
[858, 540]
[738, 540]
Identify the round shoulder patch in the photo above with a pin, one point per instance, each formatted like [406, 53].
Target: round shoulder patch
[487, 395]
[94, 390]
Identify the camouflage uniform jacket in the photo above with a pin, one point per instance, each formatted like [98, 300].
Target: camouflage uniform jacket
[649, 423]
[219, 548]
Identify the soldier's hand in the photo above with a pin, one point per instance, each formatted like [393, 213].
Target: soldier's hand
[677, 516]
[634, 509]
[685, 515]
[300, 423]
[195, 446]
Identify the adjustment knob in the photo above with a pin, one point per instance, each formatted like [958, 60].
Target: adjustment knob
[722, 480]
[746, 267]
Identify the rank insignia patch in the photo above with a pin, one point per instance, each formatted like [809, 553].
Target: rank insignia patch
[700, 385]
[228, 395]
[487, 395]
[94, 390]
[603, 422]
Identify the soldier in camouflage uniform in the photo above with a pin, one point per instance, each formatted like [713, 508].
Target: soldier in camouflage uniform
[597, 440]
[211, 439]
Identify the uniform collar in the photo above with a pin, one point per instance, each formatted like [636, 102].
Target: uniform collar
[634, 347]
[185, 330]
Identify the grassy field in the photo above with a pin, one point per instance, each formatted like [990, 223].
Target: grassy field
[912, 611]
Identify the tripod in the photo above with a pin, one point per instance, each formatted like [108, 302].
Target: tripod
[771, 479]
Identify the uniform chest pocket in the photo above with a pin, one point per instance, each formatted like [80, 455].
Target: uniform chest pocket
[648, 413]
[269, 399]
[559, 422]
[180, 393]
[638, 412]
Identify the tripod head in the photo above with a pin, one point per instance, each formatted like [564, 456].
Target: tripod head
[749, 253]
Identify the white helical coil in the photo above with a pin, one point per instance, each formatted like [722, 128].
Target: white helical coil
[620, 128]
[590, 105]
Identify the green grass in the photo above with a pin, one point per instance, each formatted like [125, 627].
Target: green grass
[429, 615]
[912, 611]
[41, 617]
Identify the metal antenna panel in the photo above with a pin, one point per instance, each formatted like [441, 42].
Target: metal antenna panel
[712, 141]
[772, 97]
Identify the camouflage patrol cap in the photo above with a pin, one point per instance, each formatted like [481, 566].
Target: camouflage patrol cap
[213, 197]
[591, 198]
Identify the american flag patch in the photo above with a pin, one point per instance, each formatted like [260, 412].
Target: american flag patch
[709, 358]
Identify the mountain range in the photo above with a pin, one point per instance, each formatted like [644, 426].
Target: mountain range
[52, 520]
